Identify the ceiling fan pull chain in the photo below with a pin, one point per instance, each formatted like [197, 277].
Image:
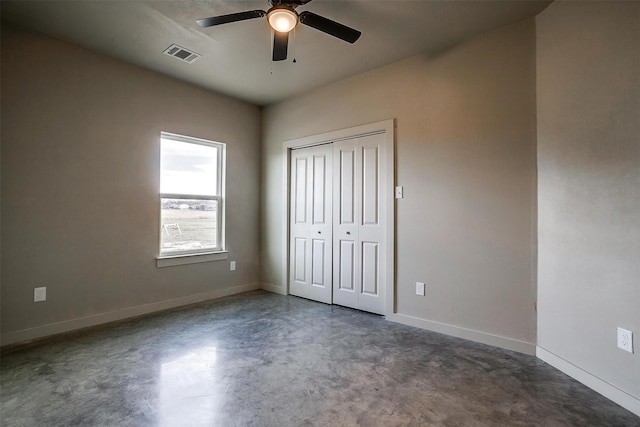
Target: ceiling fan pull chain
[293, 45]
[271, 50]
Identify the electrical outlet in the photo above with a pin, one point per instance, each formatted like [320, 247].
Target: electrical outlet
[625, 340]
[420, 288]
[39, 294]
[232, 266]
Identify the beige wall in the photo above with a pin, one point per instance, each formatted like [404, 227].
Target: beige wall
[588, 83]
[80, 171]
[465, 142]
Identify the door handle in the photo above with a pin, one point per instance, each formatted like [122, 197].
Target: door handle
[348, 232]
[319, 232]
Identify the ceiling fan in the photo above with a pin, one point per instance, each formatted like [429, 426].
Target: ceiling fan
[283, 18]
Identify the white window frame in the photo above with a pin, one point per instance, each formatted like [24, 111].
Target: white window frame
[207, 254]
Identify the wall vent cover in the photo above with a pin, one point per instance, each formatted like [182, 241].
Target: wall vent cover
[182, 54]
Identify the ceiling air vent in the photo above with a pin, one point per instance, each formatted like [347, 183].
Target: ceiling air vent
[181, 53]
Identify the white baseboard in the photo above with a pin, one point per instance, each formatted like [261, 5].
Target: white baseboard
[468, 334]
[98, 319]
[273, 288]
[606, 389]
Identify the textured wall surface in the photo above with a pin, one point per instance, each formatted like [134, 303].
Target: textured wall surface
[588, 82]
[465, 154]
[80, 182]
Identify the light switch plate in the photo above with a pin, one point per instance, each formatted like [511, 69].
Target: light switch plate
[232, 266]
[420, 288]
[399, 192]
[40, 294]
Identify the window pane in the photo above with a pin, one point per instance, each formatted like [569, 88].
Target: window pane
[187, 168]
[188, 225]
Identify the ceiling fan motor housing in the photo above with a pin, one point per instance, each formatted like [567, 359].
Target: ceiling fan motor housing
[290, 3]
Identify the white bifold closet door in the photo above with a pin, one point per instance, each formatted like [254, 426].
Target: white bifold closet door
[337, 241]
[311, 231]
[359, 246]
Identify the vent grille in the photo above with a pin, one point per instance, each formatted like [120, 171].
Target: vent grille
[182, 54]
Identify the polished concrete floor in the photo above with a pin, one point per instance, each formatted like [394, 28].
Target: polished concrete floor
[261, 359]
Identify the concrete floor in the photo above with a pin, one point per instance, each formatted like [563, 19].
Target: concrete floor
[267, 360]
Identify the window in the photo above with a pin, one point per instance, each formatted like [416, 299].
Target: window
[191, 195]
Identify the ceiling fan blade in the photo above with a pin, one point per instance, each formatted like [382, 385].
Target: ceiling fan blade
[280, 43]
[232, 17]
[330, 27]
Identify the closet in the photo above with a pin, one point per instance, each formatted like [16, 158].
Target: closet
[337, 223]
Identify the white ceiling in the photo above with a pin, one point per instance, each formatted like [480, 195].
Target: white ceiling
[237, 57]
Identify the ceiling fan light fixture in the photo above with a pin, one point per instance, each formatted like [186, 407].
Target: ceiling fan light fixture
[282, 19]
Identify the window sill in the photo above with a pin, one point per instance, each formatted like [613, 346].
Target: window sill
[172, 260]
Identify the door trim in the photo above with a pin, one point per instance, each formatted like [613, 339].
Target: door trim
[386, 127]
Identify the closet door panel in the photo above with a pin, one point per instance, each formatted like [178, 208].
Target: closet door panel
[310, 230]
